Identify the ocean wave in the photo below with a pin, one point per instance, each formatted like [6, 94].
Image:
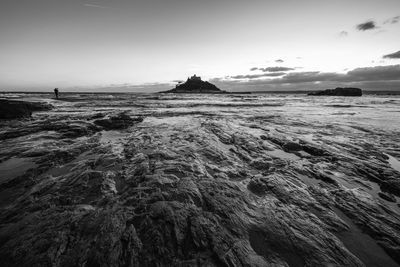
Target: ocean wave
[236, 104]
[344, 113]
[346, 106]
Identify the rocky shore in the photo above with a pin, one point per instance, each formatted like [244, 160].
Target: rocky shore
[339, 91]
[151, 181]
[12, 109]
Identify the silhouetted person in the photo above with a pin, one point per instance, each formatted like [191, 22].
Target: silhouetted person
[56, 92]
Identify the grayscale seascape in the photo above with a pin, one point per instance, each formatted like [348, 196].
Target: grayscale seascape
[191, 133]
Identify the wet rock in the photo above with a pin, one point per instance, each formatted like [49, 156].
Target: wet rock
[120, 121]
[387, 196]
[12, 109]
[291, 146]
[381, 238]
[276, 140]
[339, 91]
[74, 237]
[315, 151]
[70, 129]
[96, 116]
[62, 128]
[258, 186]
[13, 133]
[263, 137]
[261, 164]
[391, 186]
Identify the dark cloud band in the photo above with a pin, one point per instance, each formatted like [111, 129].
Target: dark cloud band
[373, 78]
[275, 69]
[256, 76]
[393, 20]
[369, 25]
[394, 55]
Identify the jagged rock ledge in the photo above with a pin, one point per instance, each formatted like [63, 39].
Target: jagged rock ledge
[339, 91]
[13, 109]
[120, 121]
[194, 85]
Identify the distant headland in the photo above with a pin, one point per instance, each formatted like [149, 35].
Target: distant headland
[194, 85]
[339, 91]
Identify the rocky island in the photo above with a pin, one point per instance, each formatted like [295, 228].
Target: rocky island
[194, 85]
[339, 91]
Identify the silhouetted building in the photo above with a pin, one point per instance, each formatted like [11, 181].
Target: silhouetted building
[195, 78]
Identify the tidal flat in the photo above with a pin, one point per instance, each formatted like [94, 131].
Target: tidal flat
[201, 180]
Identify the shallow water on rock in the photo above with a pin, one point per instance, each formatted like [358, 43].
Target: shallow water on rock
[115, 139]
[362, 245]
[394, 163]
[14, 167]
[282, 155]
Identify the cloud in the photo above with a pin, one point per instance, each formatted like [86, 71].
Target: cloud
[370, 78]
[378, 73]
[256, 76]
[393, 20]
[393, 55]
[343, 34]
[369, 25]
[305, 77]
[279, 61]
[253, 69]
[275, 69]
[95, 5]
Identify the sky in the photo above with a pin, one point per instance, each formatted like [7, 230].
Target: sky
[147, 45]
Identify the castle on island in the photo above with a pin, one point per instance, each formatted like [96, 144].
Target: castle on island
[194, 84]
[194, 78]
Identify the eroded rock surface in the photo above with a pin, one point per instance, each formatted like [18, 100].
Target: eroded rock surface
[12, 109]
[120, 121]
[198, 187]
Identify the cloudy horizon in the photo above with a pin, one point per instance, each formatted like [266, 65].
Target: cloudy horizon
[145, 46]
